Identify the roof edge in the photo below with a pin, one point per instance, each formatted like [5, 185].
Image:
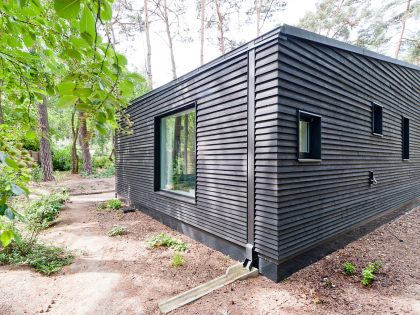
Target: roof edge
[293, 31]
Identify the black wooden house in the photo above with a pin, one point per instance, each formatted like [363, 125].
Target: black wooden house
[276, 146]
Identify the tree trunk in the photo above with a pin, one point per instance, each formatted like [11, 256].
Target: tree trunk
[202, 17]
[168, 33]
[84, 144]
[403, 21]
[45, 149]
[74, 156]
[220, 24]
[149, 46]
[258, 13]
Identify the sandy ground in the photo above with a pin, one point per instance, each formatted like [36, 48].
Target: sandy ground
[121, 275]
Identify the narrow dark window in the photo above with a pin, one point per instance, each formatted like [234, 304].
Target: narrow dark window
[377, 124]
[177, 153]
[406, 138]
[309, 139]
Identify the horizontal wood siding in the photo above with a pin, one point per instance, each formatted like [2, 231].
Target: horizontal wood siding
[220, 93]
[266, 151]
[318, 200]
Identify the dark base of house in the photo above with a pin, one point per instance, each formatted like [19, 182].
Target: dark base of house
[277, 271]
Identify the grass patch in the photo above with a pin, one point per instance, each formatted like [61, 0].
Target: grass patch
[163, 240]
[117, 230]
[41, 213]
[348, 268]
[43, 258]
[178, 260]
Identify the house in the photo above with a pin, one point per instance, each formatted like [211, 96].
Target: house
[275, 147]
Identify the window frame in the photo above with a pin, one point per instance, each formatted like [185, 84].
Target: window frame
[405, 130]
[157, 155]
[374, 121]
[315, 139]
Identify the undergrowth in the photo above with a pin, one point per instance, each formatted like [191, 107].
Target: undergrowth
[349, 268]
[112, 204]
[163, 240]
[41, 213]
[43, 258]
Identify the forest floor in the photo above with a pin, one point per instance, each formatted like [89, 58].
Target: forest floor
[121, 275]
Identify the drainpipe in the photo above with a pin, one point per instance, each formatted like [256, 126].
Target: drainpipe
[251, 257]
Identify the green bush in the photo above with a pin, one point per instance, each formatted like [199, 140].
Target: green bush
[41, 213]
[36, 174]
[101, 162]
[349, 268]
[163, 240]
[62, 159]
[43, 258]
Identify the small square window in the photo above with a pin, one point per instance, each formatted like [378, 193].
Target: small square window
[406, 138]
[377, 118]
[309, 139]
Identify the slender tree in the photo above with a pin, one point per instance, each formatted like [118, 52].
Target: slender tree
[402, 30]
[220, 26]
[75, 135]
[264, 11]
[202, 29]
[45, 149]
[84, 139]
[148, 45]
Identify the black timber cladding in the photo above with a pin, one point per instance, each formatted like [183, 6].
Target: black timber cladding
[318, 200]
[250, 183]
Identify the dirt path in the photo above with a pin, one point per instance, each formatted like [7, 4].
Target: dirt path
[121, 275]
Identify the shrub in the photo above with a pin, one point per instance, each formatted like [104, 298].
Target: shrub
[41, 213]
[349, 268]
[36, 174]
[43, 258]
[368, 274]
[114, 204]
[102, 173]
[62, 159]
[117, 230]
[101, 162]
[177, 260]
[163, 240]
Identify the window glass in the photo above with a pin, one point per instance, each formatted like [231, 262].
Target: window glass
[304, 136]
[177, 153]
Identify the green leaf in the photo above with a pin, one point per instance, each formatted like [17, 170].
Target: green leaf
[87, 23]
[9, 213]
[101, 117]
[73, 53]
[67, 8]
[66, 101]
[106, 11]
[66, 88]
[83, 107]
[17, 190]
[6, 237]
[11, 163]
[122, 61]
[101, 128]
[82, 91]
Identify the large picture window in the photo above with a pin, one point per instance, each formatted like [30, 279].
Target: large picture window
[177, 153]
